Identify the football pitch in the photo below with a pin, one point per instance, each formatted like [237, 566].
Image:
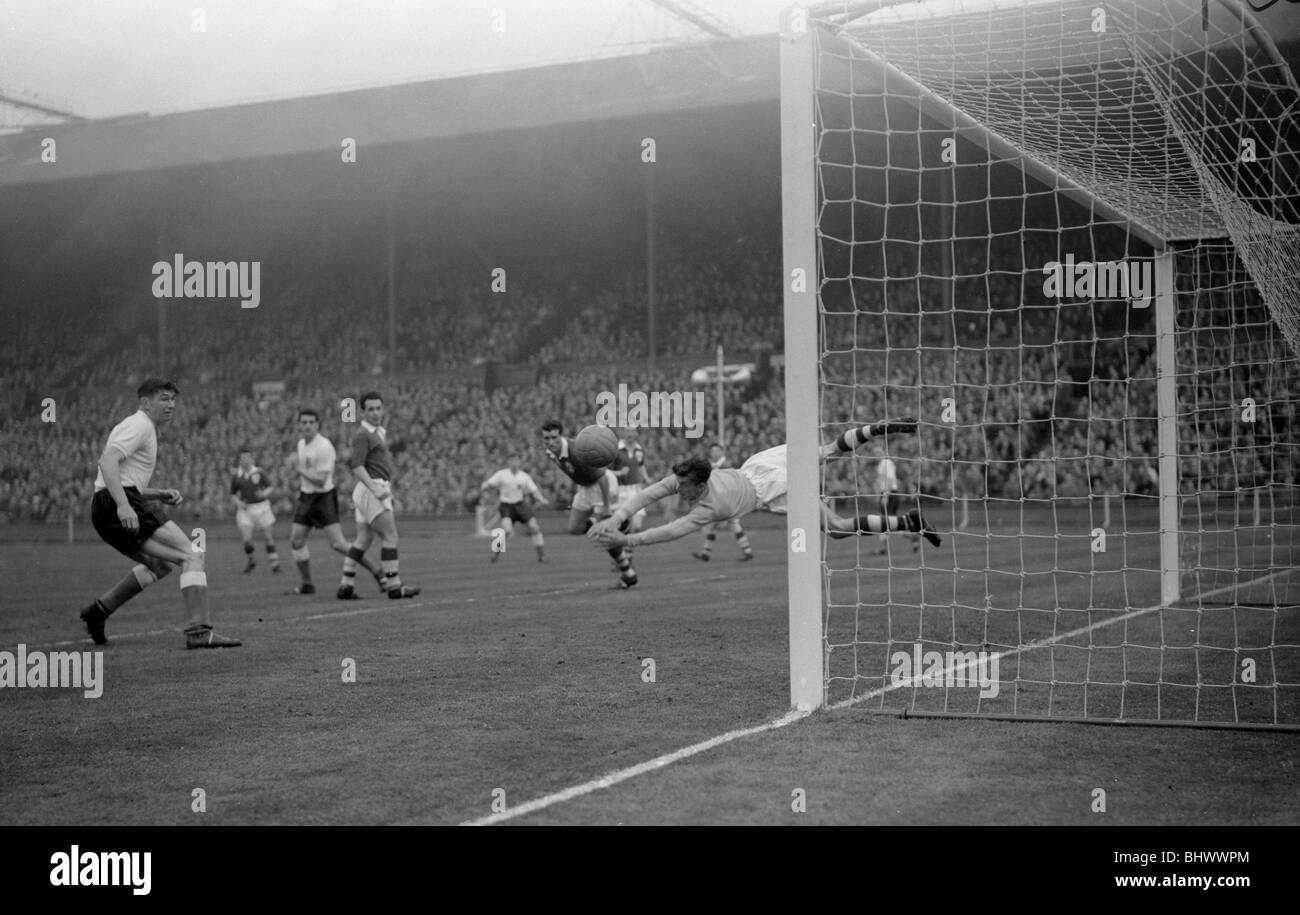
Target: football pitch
[518, 686]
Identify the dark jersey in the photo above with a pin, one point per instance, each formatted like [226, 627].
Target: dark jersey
[370, 450]
[631, 457]
[575, 470]
[247, 484]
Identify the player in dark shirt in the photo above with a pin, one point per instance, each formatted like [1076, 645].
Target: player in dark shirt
[251, 491]
[594, 496]
[372, 465]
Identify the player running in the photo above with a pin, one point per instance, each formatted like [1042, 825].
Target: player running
[318, 501]
[592, 497]
[717, 461]
[516, 492]
[251, 493]
[372, 465]
[759, 484]
[125, 519]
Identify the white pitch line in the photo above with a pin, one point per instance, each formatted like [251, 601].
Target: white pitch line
[659, 762]
[622, 775]
[1043, 643]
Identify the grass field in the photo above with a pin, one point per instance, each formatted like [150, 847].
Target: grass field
[529, 678]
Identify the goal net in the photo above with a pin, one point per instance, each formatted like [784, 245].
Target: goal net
[1066, 236]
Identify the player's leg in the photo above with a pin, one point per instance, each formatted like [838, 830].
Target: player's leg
[705, 552]
[244, 522]
[535, 534]
[354, 554]
[742, 540]
[852, 439]
[356, 550]
[385, 525]
[145, 572]
[301, 556]
[838, 526]
[580, 519]
[267, 527]
[170, 544]
[883, 536]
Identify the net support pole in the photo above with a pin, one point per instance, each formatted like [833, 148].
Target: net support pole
[799, 282]
[1167, 426]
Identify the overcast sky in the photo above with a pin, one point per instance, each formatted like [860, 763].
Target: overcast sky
[103, 58]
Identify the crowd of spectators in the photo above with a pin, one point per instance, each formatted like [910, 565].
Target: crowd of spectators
[1016, 402]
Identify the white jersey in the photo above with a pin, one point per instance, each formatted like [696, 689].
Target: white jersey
[316, 458]
[136, 440]
[886, 476]
[513, 486]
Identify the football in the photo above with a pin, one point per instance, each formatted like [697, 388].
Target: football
[596, 446]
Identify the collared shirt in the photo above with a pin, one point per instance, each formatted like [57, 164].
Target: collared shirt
[512, 486]
[316, 458]
[728, 494]
[370, 450]
[136, 440]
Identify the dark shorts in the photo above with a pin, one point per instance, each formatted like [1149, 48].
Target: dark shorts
[103, 515]
[519, 512]
[317, 509]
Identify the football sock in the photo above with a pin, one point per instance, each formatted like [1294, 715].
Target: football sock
[708, 542]
[194, 591]
[248, 548]
[131, 584]
[271, 553]
[350, 561]
[388, 559]
[742, 540]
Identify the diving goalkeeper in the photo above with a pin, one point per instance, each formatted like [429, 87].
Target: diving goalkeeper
[758, 485]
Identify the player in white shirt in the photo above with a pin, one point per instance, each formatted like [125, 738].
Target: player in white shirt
[125, 518]
[759, 484]
[718, 460]
[887, 485]
[318, 500]
[516, 494]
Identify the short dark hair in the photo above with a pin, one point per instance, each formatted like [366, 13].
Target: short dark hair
[552, 424]
[713, 445]
[370, 395]
[308, 411]
[152, 386]
[695, 469]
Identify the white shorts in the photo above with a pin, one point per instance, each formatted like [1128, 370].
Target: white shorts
[368, 508]
[626, 492]
[588, 497]
[766, 472]
[256, 515]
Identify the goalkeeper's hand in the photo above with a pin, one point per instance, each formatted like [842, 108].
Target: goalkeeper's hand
[904, 425]
[602, 529]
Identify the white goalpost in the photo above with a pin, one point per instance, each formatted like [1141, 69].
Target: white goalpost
[1065, 235]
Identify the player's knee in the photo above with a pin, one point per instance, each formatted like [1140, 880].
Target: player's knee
[301, 553]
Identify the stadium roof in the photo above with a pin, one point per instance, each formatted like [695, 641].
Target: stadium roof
[695, 77]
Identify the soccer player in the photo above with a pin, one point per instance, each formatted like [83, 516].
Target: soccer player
[629, 469]
[251, 493]
[593, 496]
[125, 518]
[318, 500]
[759, 484]
[717, 461]
[372, 465]
[515, 492]
[887, 485]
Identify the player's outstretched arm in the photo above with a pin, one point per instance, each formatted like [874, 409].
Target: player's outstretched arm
[858, 436]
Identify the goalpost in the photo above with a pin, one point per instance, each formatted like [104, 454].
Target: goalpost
[1066, 236]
